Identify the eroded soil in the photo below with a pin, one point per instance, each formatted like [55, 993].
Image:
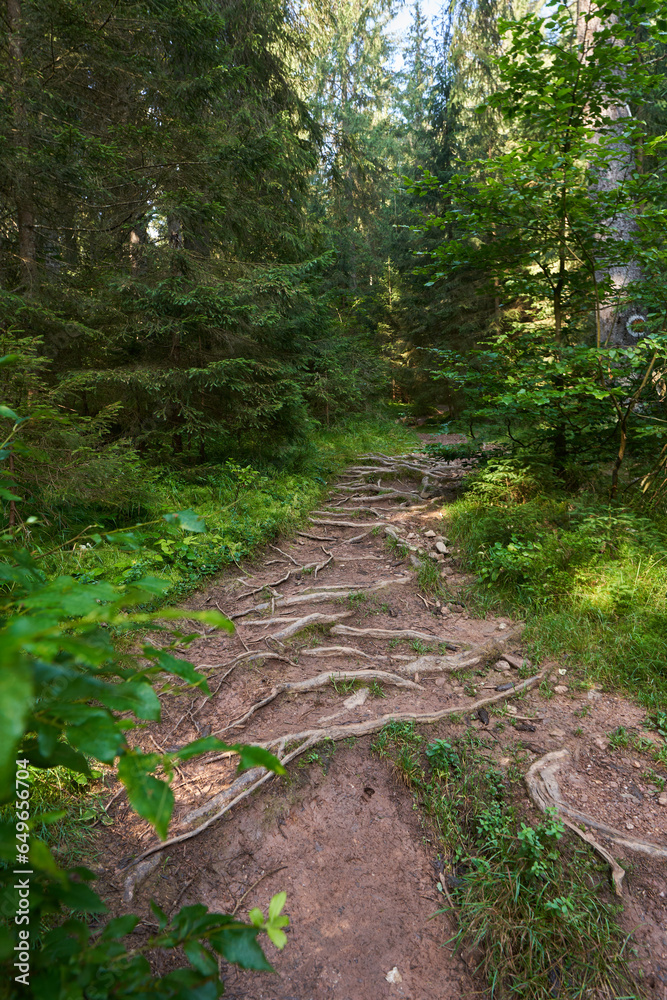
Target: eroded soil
[340, 834]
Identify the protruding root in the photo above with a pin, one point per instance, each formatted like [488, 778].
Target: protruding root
[253, 779]
[314, 683]
[317, 595]
[401, 633]
[297, 624]
[545, 793]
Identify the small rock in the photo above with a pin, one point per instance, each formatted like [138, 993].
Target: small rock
[502, 626]
[525, 727]
[483, 716]
[662, 799]
[502, 665]
[438, 603]
[445, 612]
[411, 534]
[429, 534]
[629, 826]
[394, 976]
[440, 682]
[562, 671]
[557, 732]
[446, 571]
[441, 547]
[561, 689]
[594, 696]
[504, 761]
[511, 709]
[601, 742]
[636, 764]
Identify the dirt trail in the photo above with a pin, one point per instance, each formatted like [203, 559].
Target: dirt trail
[340, 835]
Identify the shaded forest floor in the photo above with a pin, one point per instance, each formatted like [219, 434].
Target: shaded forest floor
[364, 867]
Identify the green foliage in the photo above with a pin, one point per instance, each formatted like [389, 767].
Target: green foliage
[587, 575]
[68, 697]
[529, 218]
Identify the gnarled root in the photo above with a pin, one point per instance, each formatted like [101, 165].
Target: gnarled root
[387, 633]
[545, 793]
[251, 780]
[322, 680]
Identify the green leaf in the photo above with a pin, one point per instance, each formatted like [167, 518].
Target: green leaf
[149, 796]
[15, 702]
[50, 753]
[276, 905]
[119, 927]
[173, 665]
[200, 958]
[41, 857]
[256, 917]
[238, 944]
[97, 735]
[188, 520]
[258, 757]
[278, 937]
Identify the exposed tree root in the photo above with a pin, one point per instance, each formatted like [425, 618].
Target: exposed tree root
[298, 624]
[340, 651]
[314, 683]
[382, 491]
[315, 596]
[286, 554]
[251, 780]
[545, 793]
[420, 665]
[377, 511]
[345, 524]
[401, 633]
[313, 567]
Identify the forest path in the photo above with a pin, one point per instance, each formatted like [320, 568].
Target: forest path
[340, 834]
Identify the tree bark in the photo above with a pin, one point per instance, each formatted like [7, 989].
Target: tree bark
[25, 218]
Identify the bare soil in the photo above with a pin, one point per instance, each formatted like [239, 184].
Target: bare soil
[340, 834]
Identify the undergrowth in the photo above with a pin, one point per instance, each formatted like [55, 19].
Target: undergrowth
[243, 507]
[531, 905]
[589, 577]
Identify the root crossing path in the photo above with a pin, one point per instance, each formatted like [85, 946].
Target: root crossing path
[338, 632]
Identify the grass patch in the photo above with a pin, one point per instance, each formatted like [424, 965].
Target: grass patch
[588, 577]
[63, 805]
[243, 507]
[532, 905]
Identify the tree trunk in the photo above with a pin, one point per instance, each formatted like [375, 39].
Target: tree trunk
[25, 219]
[615, 313]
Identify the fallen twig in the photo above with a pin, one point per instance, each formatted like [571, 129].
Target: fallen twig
[254, 886]
[286, 554]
